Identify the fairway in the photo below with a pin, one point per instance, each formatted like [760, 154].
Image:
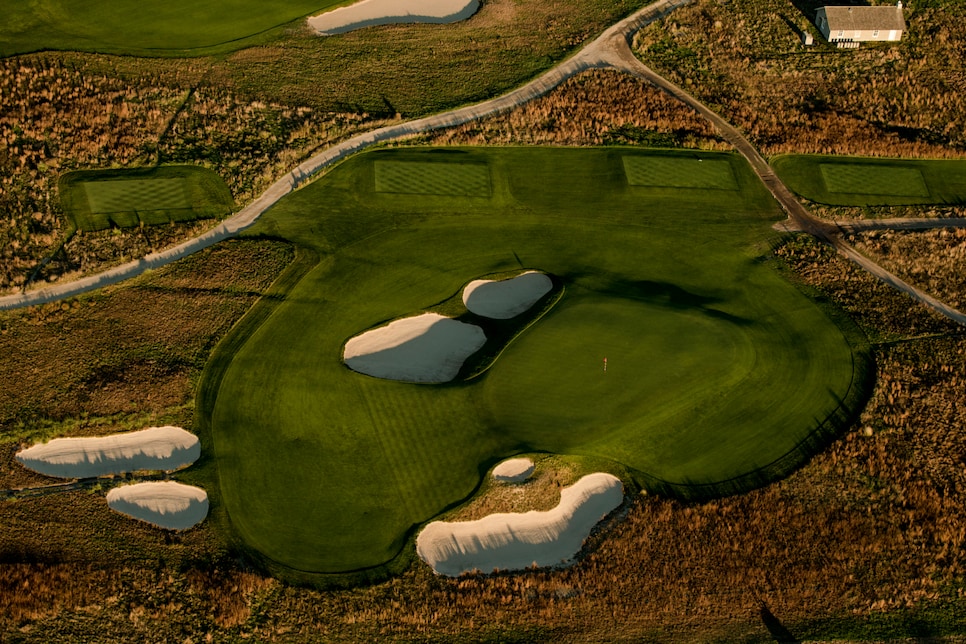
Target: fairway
[101, 199]
[716, 366]
[863, 181]
[150, 27]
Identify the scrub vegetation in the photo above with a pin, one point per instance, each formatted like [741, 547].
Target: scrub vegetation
[746, 59]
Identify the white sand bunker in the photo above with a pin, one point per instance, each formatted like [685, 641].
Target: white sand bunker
[155, 448]
[514, 470]
[384, 12]
[518, 541]
[166, 504]
[504, 299]
[424, 348]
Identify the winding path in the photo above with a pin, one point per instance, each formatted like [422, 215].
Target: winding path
[610, 50]
[799, 218]
[595, 55]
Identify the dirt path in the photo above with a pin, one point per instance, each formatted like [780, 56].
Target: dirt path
[594, 55]
[103, 482]
[610, 50]
[799, 218]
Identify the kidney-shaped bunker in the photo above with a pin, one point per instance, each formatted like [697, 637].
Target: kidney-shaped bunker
[423, 348]
[504, 299]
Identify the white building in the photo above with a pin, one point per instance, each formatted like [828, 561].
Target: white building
[848, 26]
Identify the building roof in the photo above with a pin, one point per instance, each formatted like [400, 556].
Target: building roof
[864, 18]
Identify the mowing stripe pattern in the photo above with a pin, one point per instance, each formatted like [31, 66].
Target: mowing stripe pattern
[867, 179]
[664, 172]
[421, 178]
[136, 194]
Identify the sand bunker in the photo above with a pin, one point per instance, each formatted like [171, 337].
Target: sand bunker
[518, 541]
[156, 448]
[166, 504]
[384, 12]
[424, 348]
[504, 299]
[514, 470]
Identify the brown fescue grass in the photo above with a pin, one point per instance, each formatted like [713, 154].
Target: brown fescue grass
[934, 260]
[593, 108]
[61, 112]
[747, 60]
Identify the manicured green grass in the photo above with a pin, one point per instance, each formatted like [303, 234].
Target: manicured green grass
[864, 181]
[149, 27]
[100, 199]
[679, 173]
[716, 366]
[413, 177]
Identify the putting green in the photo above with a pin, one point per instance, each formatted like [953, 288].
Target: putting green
[716, 365]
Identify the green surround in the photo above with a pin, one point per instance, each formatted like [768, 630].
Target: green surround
[716, 365]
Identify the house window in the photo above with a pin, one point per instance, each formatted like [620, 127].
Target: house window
[875, 34]
[841, 33]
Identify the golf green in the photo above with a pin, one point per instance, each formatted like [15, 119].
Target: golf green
[716, 366]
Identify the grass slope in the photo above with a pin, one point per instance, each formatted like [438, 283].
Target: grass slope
[147, 28]
[866, 181]
[126, 198]
[716, 365]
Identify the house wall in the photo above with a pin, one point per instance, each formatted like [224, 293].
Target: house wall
[884, 35]
[821, 21]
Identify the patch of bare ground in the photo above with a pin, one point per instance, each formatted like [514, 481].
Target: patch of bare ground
[539, 492]
[61, 112]
[593, 108]
[934, 260]
[746, 59]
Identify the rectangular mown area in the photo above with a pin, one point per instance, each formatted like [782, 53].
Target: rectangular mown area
[863, 179]
[671, 172]
[422, 178]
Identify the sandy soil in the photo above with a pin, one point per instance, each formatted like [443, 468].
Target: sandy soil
[519, 541]
[166, 504]
[504, 299]
[384, 12]
[424, 348]
[155, 448]
[514, 470]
